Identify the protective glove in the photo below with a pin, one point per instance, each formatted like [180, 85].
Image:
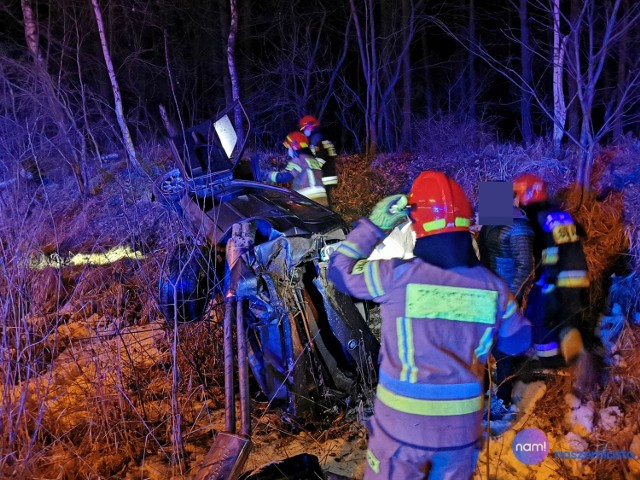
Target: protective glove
[571, 344]
[389, 212]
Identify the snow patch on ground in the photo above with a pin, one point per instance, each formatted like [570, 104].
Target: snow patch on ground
[608, 418]
[579, 417]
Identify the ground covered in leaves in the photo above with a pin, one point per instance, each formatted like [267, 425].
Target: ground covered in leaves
[94, 385]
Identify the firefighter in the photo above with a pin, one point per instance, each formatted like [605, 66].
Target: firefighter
[323, 150]
[560, 294]
[442, 312]
[507, 250]
[303, 170]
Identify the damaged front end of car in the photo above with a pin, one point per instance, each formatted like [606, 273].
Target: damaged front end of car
[309, 347]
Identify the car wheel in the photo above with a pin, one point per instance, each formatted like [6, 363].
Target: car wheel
[170, 187]
[187, 284]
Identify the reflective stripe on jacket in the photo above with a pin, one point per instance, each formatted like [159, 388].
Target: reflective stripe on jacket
[305, 174]
[562, 258]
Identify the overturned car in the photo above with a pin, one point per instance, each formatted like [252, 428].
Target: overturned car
[263, 250]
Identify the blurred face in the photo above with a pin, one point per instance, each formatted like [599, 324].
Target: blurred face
[307, 130]
[291, 152]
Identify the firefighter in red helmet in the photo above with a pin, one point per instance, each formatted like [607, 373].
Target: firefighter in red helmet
[303, 170]
[323, 150]
[442, 312]
[558, 299]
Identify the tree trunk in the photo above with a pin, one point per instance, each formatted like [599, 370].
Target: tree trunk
[621, 80]
[526, 73]
[233, 74]
[224, 23]
[573, 111]
[373, 77]
[559, 105]
[61, 117]
[588, 81]
[31, 30]
[366, 46]
[117, 99]
[405, 136]
[472, 81]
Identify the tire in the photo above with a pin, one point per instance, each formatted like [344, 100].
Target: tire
[187, 284]
[170, 188]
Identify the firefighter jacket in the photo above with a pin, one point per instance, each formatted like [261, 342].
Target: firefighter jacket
[325, 152]
[438, 328]
[561, 293]
[559, 249]
[507, 250]
[305, 174]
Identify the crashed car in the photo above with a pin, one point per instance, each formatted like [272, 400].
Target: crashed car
[309, 347]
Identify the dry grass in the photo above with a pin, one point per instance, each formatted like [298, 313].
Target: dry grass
[605, 244]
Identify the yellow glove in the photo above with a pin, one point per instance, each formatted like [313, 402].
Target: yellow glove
[571, 344]
[389, 212]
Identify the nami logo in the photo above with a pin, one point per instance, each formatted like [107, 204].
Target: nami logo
[530, 446]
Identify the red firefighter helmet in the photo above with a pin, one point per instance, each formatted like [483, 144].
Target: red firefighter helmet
[438, 205]
[529, 188]
[296, 141]
[308, 121]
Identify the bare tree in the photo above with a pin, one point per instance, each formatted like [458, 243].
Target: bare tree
[298, 68]
[405, 135]
[592, 38]
[559, 104]
[526, 70]
[233, 74]
[366, 36]
[586, 67]
[31, 30]
[621, 76]
[384, 48]
[117, 99]
[573, 108]
[51, 106]
[472, 80]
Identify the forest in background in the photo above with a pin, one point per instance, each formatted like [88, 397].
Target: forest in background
[83, 78]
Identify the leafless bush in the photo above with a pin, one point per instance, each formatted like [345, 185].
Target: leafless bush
[449, 134]
[46, 123]
[92, 379]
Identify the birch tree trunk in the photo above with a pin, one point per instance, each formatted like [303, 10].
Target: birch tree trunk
[233, 74]
[559, 105]
[31, 30]
[117, 99]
